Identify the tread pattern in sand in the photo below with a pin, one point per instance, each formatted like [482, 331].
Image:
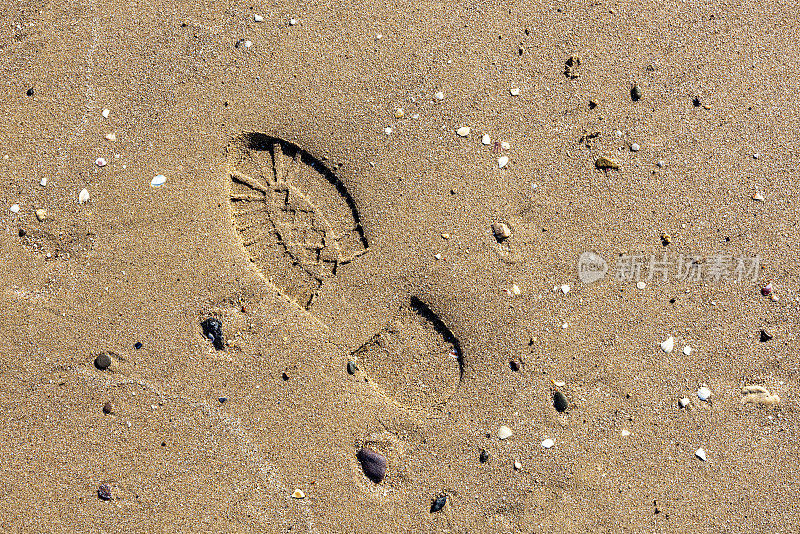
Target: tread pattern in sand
[295, 218]
[415, 360]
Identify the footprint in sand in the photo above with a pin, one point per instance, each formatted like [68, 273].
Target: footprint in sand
[298, 224]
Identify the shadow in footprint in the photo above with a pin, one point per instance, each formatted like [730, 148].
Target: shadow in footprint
[295, 218]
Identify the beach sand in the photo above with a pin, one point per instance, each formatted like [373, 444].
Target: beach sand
[322, 226]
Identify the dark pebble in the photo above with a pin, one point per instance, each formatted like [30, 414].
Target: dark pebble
[29, 92]
[223, 399]
[103, 361]
[515, 365]
[696, 102]
[438, 503]
[373, 464]
[636, 93]
[484, 457]
[104, 491]
[212, 329]
[137, 345]
[22, 232]
[560, 402]
[352, 367]
[108, 408]
[285, 376]
[764, 336]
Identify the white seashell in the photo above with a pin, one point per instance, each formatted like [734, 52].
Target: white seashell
[687, 350]
[684, 402]
[565, 288]
[101, 162]
[258, 18]
[158, 181]
[464, 131]
[514, 91]
[486, 140]
[703, 393]
[668, 344]
[387, 130]
[111, 137]
[504, 432]
[14, 208]
[548, 443]
[505, 145]
[83, 196]
[438, 95]
[502, 161]
[700, 453]
[106, 113]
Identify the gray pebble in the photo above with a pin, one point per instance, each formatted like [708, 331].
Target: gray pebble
[438, 503]
[560, 401]
[636, 93]
[373, 464]
[351, 367]
[103, 361]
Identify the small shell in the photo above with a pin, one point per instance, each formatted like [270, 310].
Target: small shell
[298, 494]
[504, 432]
[464, 131]
[502, 161]
[83, 196]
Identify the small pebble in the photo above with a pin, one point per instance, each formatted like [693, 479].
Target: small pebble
[604, 162]
[548, 443]
[438, 503]
[22, 232]
[399, 113]
[703, 393]
[373, 464]
[212, 329]
[298, 494]
[700, 453]
[101, 162]
[484, 456]
[158, 181]
[636, 93]
[767, 289]
[30, 91]
[351, 367]
[668, 344]
[560, 402]
[137, 345]
[764, 336]
[111, 137]
[661, 163]
[439, 95]
[640, 285]
[514, 91]
[292, 22]
[464, 131]
[108, 408]
[437, 256]
[502, 161]
[501, 231]
[14, 208]
[504, 432]
[223, 400]
[514, 365]
[102, 361]
[684, 402]
[515, 290]
[83, 196]
[687, 350]
[635, 147]
[486, 140]
[104, 491]
[106, 113]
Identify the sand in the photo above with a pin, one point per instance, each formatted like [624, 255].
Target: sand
[431, 338]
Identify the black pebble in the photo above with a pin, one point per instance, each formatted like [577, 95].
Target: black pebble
[636, 93]
[696, 102]
[560, 402]
[438, 503]
[484, 457]
[104, 491]
[515, 365]
[108, 408]
[373, 464]
[29, 92]
[103, 361]
[764, 336]
[222, 399]
[351, 367]
[22, 232]
[212, 329]
[137, 345]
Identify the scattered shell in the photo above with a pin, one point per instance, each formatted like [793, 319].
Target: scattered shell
[604, 162]
[158, 181]
[635, 147]
[298, 494]
[758, 395]
[437, 256]
[687, 350]
[668, 344]
[565, 288]
[111, 137]
[486, 140]
[83, 196]
[700, 453]
[399, 113]
[387, 130]
[43, 182]
[484, 456]
[41, 214]
[703, 393]
[640, 285]
[14, 208]
[559, 383]
[505, 145]
[501, 231]
[666, 239]
[517, 465]
[258, 18]
[684, 402]
[758, 197]
[514, 91]
[101, 162]
[464, 131]
[504, 432]
[767, 289]
[515, 290]
[661, 163]
[106, 113]
[438, 95]
[445, 236]
[351, 367]
[108, 408]
[548, 443]
[292, 22]
[625, 433]
[502, 161]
